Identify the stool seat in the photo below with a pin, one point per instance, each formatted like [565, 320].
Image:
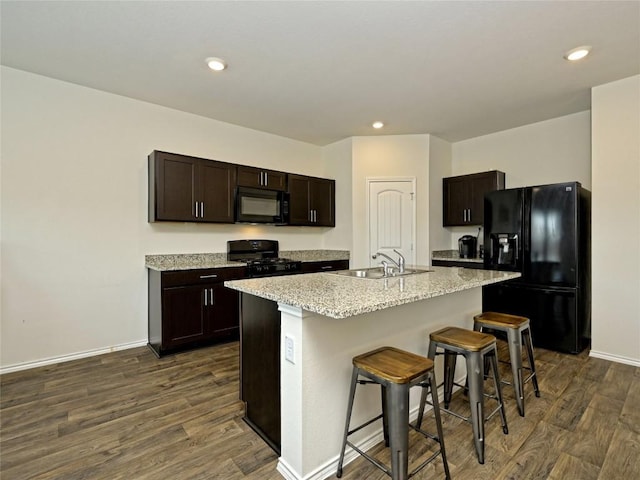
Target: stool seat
[468, 340]
[501, 319]
[394, 365]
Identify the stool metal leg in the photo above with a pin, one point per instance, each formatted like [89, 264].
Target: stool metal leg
[515, 354]
[433, 387]
[385, 416]
[493, 356]
[526, 338]
[475, 370]
[398, 398]
[449, 376]
[352, 394]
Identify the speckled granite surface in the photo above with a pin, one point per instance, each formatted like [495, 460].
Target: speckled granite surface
[339, 296]
[452, 255]
[191, 261]
[315, 255]
[188, 261]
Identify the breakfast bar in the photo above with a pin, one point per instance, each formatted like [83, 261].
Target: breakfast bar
[328, 318]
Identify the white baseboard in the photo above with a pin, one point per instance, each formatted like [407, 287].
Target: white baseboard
[72, 356]
[615, 358]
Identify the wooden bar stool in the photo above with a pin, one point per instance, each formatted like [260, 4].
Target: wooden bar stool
[518, 332]
[396, 371]
[475, 347]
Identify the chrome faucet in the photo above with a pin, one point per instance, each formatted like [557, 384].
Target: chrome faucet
[399, 263]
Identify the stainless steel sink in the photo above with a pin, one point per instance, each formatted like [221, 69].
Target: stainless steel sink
[378, 272]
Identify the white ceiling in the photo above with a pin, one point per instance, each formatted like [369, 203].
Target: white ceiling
[320, 71]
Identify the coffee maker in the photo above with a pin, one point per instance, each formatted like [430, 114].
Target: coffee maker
[467, 246]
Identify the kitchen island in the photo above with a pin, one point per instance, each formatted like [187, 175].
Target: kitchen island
[327, 319]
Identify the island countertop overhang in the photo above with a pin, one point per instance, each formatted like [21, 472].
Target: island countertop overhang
[340, 297]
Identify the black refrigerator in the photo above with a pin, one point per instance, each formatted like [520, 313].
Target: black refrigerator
[545, 233]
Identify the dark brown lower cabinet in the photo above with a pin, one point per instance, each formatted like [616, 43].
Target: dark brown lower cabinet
[454, 263]
[190, 308]
[260, 367]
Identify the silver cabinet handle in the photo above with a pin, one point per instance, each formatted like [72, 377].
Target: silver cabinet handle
[205, 297]
[201, 209]
[213, 275]
[464, 215]
[211, 296]
[327, 267]
[266, 179]
[261, 178]
[196, 208]
[469, 214]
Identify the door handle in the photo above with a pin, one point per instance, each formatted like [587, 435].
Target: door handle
[196, 209]
[464, 215]
[201, 209]
[209, 276]
[211, 297]
[469, 216]
[205, 297]
[266, 179]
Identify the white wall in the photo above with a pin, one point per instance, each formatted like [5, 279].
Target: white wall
[439, 168]
[337, 163]
[74, 211]
[616, 220]
[389, 156]
[553, 151]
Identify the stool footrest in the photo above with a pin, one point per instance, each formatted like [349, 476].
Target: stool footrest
[366, 424]
[378, 464]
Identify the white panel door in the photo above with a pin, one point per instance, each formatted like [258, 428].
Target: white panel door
[391, 219]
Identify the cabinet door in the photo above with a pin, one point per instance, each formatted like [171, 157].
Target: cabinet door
[172, 187]
[322, 202]
[183, 319]
[479, 186]
[223, 312]
[299, 209]
[216, 184]
[261, 178]
[455, 193]
[463, 197]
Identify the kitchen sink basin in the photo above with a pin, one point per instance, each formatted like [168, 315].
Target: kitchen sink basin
[378, 272]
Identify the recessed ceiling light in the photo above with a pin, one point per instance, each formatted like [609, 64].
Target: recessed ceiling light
[377, 125]
[577, 53]
[216, 64]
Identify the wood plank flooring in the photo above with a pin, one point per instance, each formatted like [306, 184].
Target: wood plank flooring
[128, 415]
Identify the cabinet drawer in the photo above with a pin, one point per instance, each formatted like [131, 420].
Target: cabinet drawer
[202, 276]
[328, 266]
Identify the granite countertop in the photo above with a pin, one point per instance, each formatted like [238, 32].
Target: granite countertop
[193, 261]
[339, 296]
[452, 256]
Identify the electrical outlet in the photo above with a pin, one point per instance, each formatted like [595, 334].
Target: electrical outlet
[289, 349]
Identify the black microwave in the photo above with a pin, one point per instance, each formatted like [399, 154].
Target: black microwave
[254, 205]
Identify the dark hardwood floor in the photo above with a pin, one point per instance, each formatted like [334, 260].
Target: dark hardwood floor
[129, 415]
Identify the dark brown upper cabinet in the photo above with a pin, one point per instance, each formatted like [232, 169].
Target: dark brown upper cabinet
[463, 197]
[311, 201]
[261, 178]
[190, 189]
